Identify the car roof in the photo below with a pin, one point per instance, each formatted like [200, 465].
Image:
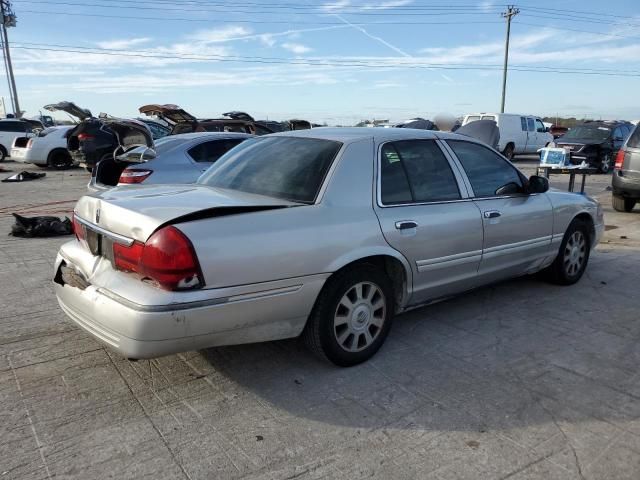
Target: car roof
[354, 134]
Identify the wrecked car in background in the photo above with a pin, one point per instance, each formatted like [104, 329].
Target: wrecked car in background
[181, 121]
[95, 139]
[48, 148]
[174, 159]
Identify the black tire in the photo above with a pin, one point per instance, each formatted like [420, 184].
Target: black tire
[604, 165]
[559, 271]
[3, 154]
[321, 333]
[59, 159]
[509, 151]
[621, 204]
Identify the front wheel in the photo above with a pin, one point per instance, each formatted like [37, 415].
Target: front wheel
[352, 316]
[3, 154]
[621, 204]
[572, 259]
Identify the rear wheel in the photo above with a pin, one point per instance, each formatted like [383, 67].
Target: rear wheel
[621, 204]
[605, 164]
[509, 151]
[572, 259]
[3, 154]
[352, 316]
[59, 160]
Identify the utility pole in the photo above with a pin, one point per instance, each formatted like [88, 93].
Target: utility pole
[8, 19]
[509, 14]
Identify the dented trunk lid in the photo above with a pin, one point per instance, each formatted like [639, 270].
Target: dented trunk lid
[137, 212]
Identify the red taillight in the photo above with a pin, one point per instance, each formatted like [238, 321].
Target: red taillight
[85, 136]
[77, 227]
[619, 160]
[131, 175]
[167, 257]
[127, 258]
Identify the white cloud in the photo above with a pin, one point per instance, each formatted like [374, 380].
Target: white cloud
[123, 44]
[296, 48]
[218, 35]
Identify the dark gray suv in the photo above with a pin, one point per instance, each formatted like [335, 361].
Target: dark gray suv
[626, 174]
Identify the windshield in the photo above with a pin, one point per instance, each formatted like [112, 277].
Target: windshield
[289, 168]
[590, 132]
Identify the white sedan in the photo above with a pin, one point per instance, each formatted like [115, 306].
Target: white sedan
[48, 148]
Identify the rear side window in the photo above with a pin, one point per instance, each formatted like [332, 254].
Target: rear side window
[14, 127]
[634, 139]
[416, 171]
[211, 151]
[523, 124]
[487, 171]
[489, 117]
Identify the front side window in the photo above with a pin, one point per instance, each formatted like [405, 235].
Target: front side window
[289, 168]
[209, 152]
[487, 171]
[540, 128]
[416, 171]
[523, 124]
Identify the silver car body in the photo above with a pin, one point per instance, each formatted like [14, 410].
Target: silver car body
[173, 164]
[37, 148]
[264, 268]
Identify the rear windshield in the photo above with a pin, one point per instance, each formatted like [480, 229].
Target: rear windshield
[588, 132]
[634, 139]
[289, 168]
[472, 118]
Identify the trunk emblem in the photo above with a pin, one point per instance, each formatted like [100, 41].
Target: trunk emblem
[98, 215]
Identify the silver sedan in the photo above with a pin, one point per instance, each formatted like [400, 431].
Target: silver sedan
[173, 159]
[324, 233]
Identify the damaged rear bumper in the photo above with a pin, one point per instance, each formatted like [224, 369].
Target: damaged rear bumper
[226, 316]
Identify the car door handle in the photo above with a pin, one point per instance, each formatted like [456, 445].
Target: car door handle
[406, 224]
[492, 214]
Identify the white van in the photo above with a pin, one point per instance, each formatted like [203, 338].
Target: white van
[518, 133]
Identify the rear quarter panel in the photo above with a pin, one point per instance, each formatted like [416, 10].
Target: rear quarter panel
[296, 241]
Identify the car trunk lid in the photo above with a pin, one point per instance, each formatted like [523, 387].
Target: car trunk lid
[70, 108]
[136, 213]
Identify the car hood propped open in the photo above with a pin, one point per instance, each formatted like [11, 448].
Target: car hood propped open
[70, 108]
[484, 130]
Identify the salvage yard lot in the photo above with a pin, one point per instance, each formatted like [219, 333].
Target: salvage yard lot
[518, 380]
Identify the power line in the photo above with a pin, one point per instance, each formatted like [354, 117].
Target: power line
[563, 29]
[332, 63]
[265, 22]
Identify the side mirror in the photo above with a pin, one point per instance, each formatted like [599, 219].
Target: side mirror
[537, 184]
[547, 130]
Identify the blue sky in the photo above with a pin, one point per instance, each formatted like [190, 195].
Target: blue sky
[337, 61]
